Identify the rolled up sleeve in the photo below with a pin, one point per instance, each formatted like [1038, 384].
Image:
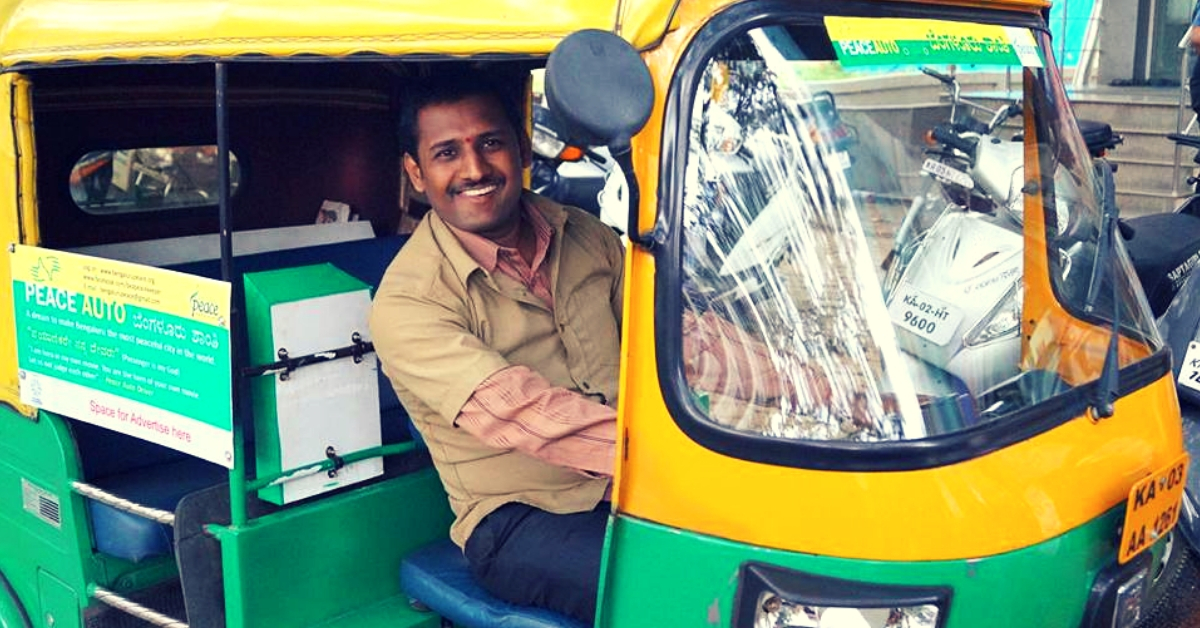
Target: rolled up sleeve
[426, 347]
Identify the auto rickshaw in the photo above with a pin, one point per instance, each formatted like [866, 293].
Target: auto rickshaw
[935, 399]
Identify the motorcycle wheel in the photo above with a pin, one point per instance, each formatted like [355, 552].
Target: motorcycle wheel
[1174, 598]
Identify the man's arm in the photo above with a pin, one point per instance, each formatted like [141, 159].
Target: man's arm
[428, 348]
[516, 408]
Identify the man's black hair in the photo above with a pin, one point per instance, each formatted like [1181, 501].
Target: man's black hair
[452, 86]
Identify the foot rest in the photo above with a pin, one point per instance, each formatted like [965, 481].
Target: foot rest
[438, 576]
[126, 535]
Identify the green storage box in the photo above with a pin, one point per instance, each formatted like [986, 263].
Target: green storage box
[327, 406]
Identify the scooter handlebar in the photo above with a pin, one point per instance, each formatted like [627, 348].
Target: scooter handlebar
[945, 135]
[949, 80]
[1185, 140]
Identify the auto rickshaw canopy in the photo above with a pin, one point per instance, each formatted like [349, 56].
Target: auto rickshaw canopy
[36, 32]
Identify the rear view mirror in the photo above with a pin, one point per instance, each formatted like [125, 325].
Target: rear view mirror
[599, 87]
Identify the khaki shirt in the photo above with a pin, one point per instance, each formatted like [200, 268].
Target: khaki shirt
[441, 325]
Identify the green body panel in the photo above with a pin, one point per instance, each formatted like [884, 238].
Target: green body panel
[12, 612]
[393, 612]
[658, 576]
[340, 554]
[40, 561]
[264, 290]
[42, 454]
[59, 603]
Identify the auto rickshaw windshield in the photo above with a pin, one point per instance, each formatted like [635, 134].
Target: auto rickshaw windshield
[854, 247]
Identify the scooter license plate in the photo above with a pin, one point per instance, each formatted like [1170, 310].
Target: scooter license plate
[1189, 372]
[925, 315]
[1152, 508]
[948, 173]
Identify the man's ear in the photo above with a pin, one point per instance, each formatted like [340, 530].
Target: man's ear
[414, 173]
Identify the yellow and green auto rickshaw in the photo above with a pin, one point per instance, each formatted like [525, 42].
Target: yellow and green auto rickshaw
[943, 405]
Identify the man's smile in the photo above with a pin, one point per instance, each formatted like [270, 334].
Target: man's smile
[481, 190]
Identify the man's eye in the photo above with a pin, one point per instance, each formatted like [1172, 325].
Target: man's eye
[446, 153]
[492, 142]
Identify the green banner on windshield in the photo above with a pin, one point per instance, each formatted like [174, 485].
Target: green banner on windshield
[861, 42]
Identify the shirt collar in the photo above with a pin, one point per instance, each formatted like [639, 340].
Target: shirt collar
[537, 209]
[486, 253]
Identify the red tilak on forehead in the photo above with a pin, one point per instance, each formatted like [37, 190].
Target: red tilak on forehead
[470, 139]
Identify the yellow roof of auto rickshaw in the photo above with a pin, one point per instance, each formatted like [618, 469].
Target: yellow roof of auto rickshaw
[55, 31]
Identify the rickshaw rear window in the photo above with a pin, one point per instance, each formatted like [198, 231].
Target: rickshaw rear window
[108, 182]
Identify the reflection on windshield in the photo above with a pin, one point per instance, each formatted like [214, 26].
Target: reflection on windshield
[854, 248]
[145, 179]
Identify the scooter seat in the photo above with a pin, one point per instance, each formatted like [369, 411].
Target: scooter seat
[133, 538]
[1097, 135]
[1163, 250]
[437, 576]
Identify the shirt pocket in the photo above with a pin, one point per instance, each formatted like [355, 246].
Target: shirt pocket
[589, 317]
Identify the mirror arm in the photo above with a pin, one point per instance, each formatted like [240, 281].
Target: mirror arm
[623, 154]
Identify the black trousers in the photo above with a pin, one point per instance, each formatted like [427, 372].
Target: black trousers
[531, 557]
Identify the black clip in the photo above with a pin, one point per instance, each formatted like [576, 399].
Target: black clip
[286, 373]
[338, 461]
[359, 348]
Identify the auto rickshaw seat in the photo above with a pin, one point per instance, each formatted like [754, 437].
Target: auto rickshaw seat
[134, 538]
[437, 576]
[141, 472]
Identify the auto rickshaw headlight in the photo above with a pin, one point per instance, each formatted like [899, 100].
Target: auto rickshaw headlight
[769, 595]
[1118, 593]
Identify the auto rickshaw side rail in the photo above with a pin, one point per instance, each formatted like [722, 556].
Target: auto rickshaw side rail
[330, 465]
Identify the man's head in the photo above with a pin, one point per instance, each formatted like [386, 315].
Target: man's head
[465, 148]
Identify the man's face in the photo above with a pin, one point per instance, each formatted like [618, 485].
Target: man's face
[469, 165]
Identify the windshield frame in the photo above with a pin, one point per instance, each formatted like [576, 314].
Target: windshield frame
[929, 452]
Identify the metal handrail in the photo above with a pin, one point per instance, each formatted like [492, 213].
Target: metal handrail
[133, 608]
[98, 494]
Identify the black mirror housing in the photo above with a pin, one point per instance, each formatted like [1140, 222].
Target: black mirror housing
[599, 88]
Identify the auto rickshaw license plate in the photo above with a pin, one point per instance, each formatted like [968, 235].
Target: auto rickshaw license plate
[1152, 508]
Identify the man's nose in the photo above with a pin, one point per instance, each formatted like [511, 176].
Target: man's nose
[475, 164]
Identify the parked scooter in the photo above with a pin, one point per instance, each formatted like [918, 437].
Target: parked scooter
[1164, 249]
[572, 175]
[963, 234]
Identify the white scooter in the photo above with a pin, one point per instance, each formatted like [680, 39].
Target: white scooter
[953, 276]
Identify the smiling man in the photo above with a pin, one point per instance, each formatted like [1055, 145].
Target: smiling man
[498, 324]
